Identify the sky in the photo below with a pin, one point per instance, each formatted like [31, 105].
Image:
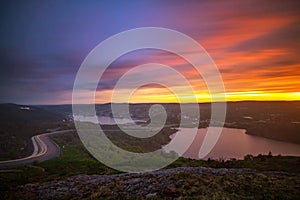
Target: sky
[254, 44]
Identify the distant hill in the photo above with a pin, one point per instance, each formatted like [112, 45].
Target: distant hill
[274, 120]
[278, 120]
[18, 123]
[10, 112]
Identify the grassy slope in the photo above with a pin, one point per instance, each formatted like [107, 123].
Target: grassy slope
[18, 125]
[75, 159]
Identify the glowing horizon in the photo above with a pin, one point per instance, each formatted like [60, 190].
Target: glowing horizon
[141, 96]
[206, 97]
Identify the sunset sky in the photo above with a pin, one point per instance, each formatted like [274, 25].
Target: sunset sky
[255, 45]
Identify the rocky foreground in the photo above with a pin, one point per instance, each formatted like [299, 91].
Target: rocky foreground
[176, 183]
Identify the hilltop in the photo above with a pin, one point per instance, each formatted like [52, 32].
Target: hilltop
[18, 123]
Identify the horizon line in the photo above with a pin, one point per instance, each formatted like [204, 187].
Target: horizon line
[257, 101]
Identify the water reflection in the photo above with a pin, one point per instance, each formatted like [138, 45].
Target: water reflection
[234, 143]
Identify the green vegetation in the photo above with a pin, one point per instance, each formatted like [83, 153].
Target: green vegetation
[75, 160]
[268, 120]
[10, 112]
[274, 120]
[234, 186]
[260, 163]
[15, 137]
[135, 144]
[18, 123]
[277, 120]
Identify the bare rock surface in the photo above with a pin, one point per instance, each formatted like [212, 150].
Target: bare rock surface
[138, 185]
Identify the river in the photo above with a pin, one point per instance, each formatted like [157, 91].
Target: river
[234, 143]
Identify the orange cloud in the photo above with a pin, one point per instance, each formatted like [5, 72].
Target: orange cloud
[256, 52]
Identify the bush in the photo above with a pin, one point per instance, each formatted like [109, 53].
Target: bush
[248, 157]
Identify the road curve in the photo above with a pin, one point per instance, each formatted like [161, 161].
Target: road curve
[43, 149]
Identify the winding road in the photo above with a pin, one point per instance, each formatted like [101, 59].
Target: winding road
[43, 149]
